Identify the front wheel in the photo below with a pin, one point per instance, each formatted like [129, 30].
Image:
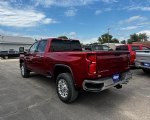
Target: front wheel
[24, 71]
[65, 88]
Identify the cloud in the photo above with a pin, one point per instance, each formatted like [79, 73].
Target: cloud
[133, 19]
[4, 32]
[141, 8]
[63, 3]
[49, 21]
[71, 12]
[109, 1]
[133, 22]
[15, 17]
[97, 12]
[129, 28]
[72, 34]
[107, 9]
[88, 40]
[68, 3]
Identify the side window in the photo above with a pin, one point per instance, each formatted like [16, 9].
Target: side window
[134, 48]
[118, 48]
[33, 48]
[42, 46]
[145, 48]
[122, 48]
[125, 48]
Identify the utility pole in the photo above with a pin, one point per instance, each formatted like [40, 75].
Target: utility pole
[108, 36]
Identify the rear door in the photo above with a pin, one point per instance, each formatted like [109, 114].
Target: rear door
[109, 63]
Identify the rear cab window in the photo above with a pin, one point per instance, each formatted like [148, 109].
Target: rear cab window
[58, 45]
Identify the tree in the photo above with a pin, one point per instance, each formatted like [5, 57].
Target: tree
[143, 37]
[134, 37]
[114, 40]
[105, 38]
[63, 37]
[129, 41]
[123, 42]
[137, 38]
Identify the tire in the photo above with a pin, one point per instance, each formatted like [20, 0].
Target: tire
[25, 73]
[147, 71]
[65, 88]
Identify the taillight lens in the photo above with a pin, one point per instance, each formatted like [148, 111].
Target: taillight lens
[92, 65]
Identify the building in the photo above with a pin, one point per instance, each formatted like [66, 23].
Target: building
[147, 43]
[112, 45]
[12, 43]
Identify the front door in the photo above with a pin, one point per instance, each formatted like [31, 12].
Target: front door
[39, 57]
[30, 56]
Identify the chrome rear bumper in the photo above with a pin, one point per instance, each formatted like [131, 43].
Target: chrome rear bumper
[105, 83]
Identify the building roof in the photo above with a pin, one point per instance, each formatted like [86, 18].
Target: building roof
[16, 40]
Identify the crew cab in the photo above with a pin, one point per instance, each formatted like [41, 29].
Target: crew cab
[73, 69]
[143, 60]
[132, 48]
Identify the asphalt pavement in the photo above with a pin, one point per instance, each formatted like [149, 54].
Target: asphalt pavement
[35, 98]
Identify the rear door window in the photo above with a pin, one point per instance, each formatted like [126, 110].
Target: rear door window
[134, 48]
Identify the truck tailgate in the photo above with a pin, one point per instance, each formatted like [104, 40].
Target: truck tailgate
[143, 55]
[109, 63]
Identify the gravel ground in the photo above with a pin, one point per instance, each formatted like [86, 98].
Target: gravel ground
[35, 98]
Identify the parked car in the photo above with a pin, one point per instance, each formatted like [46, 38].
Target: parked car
[132, 48]
[96, 47]
[9, 54]
[143, 60]
[73, 69]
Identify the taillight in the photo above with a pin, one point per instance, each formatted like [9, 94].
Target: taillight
[92, 65]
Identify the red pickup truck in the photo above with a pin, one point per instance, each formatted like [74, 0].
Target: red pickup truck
[132, 48]
[74, 70]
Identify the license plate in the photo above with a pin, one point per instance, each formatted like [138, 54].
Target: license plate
[147, 64]
[116, 77]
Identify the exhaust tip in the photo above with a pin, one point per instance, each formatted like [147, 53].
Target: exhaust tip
[118, 86]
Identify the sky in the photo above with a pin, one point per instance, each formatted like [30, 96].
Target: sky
[85, 20]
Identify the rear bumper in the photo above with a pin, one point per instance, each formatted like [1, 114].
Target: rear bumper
[105, 83]
[139, 64]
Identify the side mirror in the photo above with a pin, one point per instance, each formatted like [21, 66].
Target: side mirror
[21, 50]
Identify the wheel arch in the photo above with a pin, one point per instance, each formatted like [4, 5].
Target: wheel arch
[62, 68]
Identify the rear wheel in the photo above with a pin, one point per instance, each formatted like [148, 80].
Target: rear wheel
[147, 71]
[24, 71]
[65, 88]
